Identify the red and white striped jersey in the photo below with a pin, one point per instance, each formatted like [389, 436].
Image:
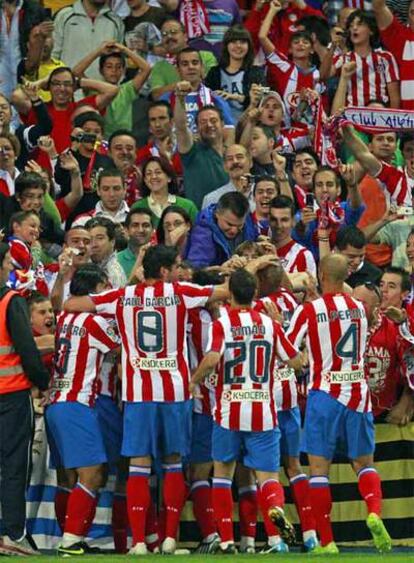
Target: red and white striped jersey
[82, 339]
[199, 321]
[399, 39]
[396, 184]
[249, 344]
[286, 394]
[152, 322]
[335, 327]
[108, 382]
[286, 78]
[372, 75]
[296, 258]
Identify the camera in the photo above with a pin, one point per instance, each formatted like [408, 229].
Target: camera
[83, 138]
[404, 210]
[264, 90]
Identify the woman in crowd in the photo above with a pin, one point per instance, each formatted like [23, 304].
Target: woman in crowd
[160, 188]
[173, 228]
[233, 77]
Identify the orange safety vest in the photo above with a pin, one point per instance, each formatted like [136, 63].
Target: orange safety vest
[12, 376]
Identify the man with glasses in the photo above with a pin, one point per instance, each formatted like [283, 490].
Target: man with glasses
[164, 75]
[62, 85]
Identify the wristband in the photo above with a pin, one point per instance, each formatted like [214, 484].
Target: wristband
[36, 102]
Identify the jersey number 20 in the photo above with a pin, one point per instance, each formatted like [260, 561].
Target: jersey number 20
[240, 350]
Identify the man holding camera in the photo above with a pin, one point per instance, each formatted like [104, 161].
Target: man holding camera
[87, 131]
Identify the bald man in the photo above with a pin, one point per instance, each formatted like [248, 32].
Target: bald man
[237, 164]
[338, 411]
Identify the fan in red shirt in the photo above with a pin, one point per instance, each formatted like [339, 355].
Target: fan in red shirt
[384, 357]
[399, 39]
[283, 25]
[62, 85]
[288, 75]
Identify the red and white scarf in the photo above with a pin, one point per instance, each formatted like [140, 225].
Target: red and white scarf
[194, 17]
[204, 97]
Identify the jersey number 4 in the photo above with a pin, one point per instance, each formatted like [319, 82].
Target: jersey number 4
[348, 345]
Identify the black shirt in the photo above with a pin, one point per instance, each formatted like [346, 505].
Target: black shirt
[368, 273]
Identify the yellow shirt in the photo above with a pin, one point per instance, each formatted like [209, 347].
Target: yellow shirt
[44, 70]
[56, 5]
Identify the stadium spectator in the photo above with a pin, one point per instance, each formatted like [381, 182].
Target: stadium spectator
[219, 229]
[140, 229]
[174, 228]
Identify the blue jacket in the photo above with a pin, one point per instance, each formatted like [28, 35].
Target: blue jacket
[207, 245]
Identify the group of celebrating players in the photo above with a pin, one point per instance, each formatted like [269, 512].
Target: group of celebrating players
[234, 349]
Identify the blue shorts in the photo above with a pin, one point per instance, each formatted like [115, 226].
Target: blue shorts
[154, 429]
[289, 426]
[330, 425]
[74, 436]
[201, 434]
[110, 421]
[260, 450]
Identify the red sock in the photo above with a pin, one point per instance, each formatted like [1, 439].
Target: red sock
[369, 485]
[270, 528]
[120, 523]
[272, 494]
[161, 523]
[151, 527]
[300, 492]
[81, 506]
[321, 502]
[248, 510]
[61, 505]
[223, 508]
[203, 507]
[175, 493]
[138, 500]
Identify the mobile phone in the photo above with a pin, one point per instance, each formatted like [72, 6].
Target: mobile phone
[48, 13]
[309, 200]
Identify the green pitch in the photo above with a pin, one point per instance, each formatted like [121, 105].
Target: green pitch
[292, 558]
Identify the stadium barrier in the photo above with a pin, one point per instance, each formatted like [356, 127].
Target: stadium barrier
[393, 458]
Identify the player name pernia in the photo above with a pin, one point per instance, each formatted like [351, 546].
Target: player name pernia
[247, 330]
[166, 301]
[341, 315]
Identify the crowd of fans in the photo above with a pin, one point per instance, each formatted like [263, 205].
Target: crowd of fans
[217, 129]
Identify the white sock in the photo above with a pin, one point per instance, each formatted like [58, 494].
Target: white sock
[246, 541]
[69, 539]
[274, 540]
[309, 534]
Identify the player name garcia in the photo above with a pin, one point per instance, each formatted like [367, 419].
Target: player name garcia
[166, 301]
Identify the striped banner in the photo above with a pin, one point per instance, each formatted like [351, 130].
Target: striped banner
[394, 461]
